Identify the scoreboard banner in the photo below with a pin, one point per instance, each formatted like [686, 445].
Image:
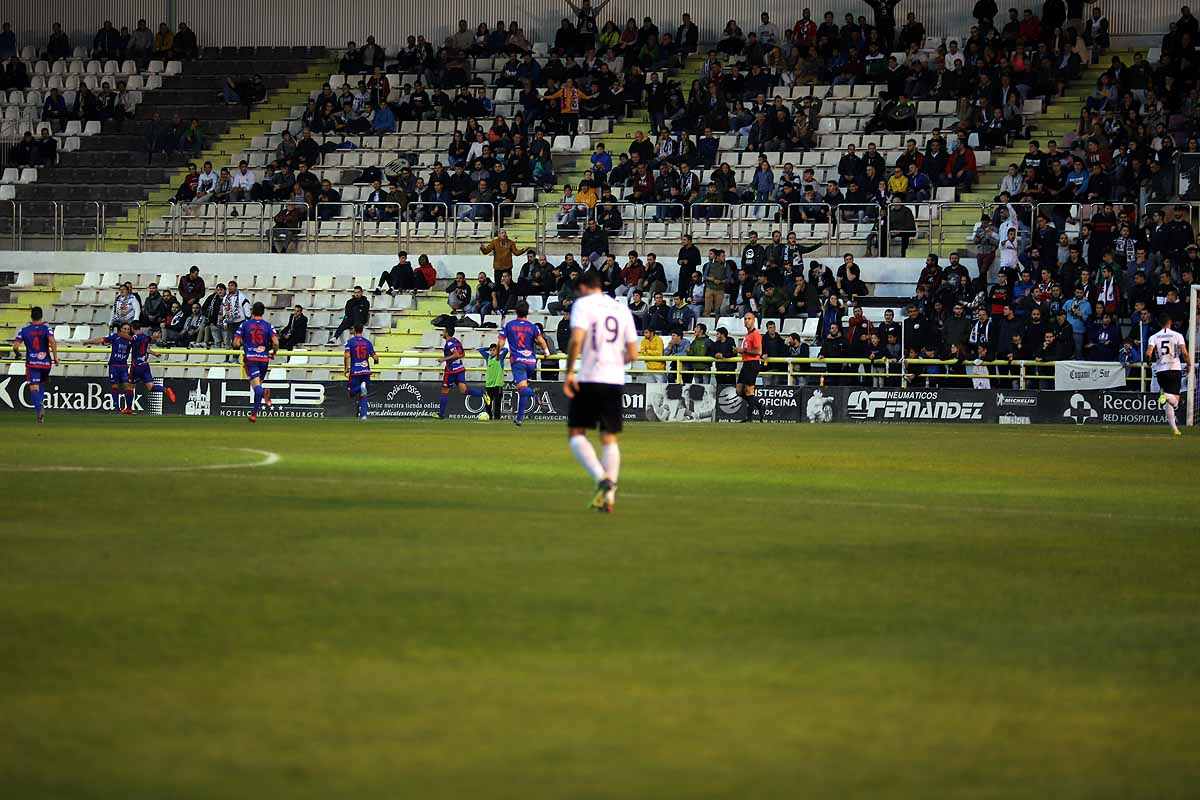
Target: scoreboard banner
[655, 402]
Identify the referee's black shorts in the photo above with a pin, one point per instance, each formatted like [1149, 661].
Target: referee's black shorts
[1170, 380]
[596, 404]
[749, 374]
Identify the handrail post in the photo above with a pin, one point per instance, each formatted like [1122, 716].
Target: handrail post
[12, 234]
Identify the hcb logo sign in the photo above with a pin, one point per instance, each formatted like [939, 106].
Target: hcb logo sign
[282, 394]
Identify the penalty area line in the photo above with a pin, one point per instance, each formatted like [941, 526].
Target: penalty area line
[266, 458]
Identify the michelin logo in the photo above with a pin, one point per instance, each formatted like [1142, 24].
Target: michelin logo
[1020, 400]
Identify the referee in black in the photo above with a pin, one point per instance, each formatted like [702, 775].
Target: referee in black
[751, 353]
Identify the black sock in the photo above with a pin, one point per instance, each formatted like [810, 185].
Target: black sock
[749, 406]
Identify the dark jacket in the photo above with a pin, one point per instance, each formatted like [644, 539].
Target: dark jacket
[191, 290]
[211, 308]
[593, 241]
[295, 332]
[358, 311]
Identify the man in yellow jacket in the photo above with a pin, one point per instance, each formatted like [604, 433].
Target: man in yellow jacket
[652, 345]
[502, 250]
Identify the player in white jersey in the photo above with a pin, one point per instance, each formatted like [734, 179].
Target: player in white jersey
[1165, 349]
[603, 341]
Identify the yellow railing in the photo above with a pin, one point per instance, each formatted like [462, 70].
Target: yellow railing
[680, 367]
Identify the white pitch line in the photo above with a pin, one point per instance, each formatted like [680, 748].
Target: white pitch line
[267, 459]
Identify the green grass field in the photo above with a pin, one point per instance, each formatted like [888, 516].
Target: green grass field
[424, 610]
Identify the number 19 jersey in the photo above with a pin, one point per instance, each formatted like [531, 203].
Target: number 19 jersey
[608, 329]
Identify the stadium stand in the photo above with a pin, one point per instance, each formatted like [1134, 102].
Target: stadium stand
[126, 127]
[850, 144]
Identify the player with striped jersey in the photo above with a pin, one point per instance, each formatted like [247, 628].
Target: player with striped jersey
[259, 344]
[455, 371]
[521, 336]
[603, 341]
[40, 350]
[140, 369]
[1166, 349]
[120, 347]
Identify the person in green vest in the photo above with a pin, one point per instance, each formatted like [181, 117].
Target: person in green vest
[494, 377]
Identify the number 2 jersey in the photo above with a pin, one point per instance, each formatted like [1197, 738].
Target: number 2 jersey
[519, 336]
[36, 339]
[608, 330]
[256, 339]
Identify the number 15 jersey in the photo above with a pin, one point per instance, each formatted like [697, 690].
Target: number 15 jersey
[608, 329]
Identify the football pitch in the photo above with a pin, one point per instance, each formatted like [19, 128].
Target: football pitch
[201, 608]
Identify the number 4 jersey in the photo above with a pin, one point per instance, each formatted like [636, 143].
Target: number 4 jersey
[36, 339]
[608, 330]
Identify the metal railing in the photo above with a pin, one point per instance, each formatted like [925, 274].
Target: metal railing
[362, 228]
[627, 212]
[174, 226]
[509, 211]
[145, 217]
[941, 209]
[850, 219]
[15, 232]
[790, 371]
[889, 232]
[477, 214]
[1168, 209]
[1064, 214]
[808, 214]
[724, 217]
[239, 210]
[417, 215]
[279, 235]
[646, 218]
[563, 218]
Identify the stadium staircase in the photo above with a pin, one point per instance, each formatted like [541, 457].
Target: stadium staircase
[112, 168]
[1059, 118]
[18, 297]
[570, 169]
[290, 82]
[412, 328]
